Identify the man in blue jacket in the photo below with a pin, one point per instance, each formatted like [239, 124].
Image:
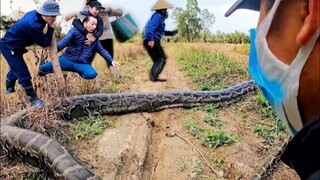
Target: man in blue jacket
[78, 55]
[155, 29]
[103, 32]
[284, 62]
[27, 31]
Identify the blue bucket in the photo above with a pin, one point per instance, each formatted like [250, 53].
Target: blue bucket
[124, 27]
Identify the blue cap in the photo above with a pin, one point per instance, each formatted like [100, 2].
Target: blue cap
[244, 4]
[49, 8]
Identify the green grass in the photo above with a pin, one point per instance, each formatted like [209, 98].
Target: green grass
[91, 126]
[194, 128]
[210, 71]
[242, 49]
[218, 161]
[212, 117]
[263, 106]
[182, 164]
[209, 137]
[35, 174]
[269, 127]
[212, 120]
[214, 139]
[114, 87]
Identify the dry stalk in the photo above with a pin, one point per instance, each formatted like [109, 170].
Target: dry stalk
[154, 169]
[219, 173]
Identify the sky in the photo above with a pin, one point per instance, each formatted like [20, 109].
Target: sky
[140, 10]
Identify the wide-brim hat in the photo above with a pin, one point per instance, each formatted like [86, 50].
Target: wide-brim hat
[49, 8]
[244, 4]
[162, 4]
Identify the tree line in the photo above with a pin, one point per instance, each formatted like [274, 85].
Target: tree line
[192, 23]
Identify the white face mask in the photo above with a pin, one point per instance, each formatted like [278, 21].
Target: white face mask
[279, 82]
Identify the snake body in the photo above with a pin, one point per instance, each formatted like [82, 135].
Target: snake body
[270, 164]
[122, 103]
[41, 150]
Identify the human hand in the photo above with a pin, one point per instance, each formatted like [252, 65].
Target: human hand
[53, 25]
[115, 64]
[90, 37]
[67, 18]
[87, 42]
[174, 32]
[151, 44]
[120, 12]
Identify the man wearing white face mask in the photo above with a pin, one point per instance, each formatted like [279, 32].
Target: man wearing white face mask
[284, 62]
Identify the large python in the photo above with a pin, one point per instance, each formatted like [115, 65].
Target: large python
[47, 152]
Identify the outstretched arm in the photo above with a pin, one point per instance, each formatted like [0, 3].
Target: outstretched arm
[105, 54]
[115, 12]
[70, 16]
[170, 33]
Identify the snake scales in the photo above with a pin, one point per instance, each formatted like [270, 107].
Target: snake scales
[40, 150]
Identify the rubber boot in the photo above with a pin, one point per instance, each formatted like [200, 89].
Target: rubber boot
[162, 64]
[10, 86]
[157, 69]
[33, 98]
[152, 73]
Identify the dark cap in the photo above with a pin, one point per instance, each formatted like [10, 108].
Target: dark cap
[244, 4]
[96, 4]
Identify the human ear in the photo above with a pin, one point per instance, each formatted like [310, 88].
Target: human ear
[311, 22]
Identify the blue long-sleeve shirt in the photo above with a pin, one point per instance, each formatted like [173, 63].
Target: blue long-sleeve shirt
[79, 52]
[155, 28]
[27, 31]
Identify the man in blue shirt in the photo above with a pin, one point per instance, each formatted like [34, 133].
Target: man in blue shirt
[27, 31]
[155, 29]
[78, 55]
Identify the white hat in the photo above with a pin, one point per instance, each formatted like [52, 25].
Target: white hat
[49, 8]
[162, 4]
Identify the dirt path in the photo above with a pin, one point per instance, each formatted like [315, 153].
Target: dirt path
[140, 148]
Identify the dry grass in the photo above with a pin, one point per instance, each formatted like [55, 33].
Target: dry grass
[48, 89]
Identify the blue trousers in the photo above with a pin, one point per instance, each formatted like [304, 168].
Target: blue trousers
[18, 68]
[86, 71]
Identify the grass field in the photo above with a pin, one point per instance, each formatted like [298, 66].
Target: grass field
[219, 132]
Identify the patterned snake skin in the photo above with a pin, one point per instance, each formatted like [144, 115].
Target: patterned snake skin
[271, 163]
[77, 106]
[40, 150]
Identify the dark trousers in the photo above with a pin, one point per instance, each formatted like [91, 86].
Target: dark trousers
[158, 57]
[18, 68]
[156, 52]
